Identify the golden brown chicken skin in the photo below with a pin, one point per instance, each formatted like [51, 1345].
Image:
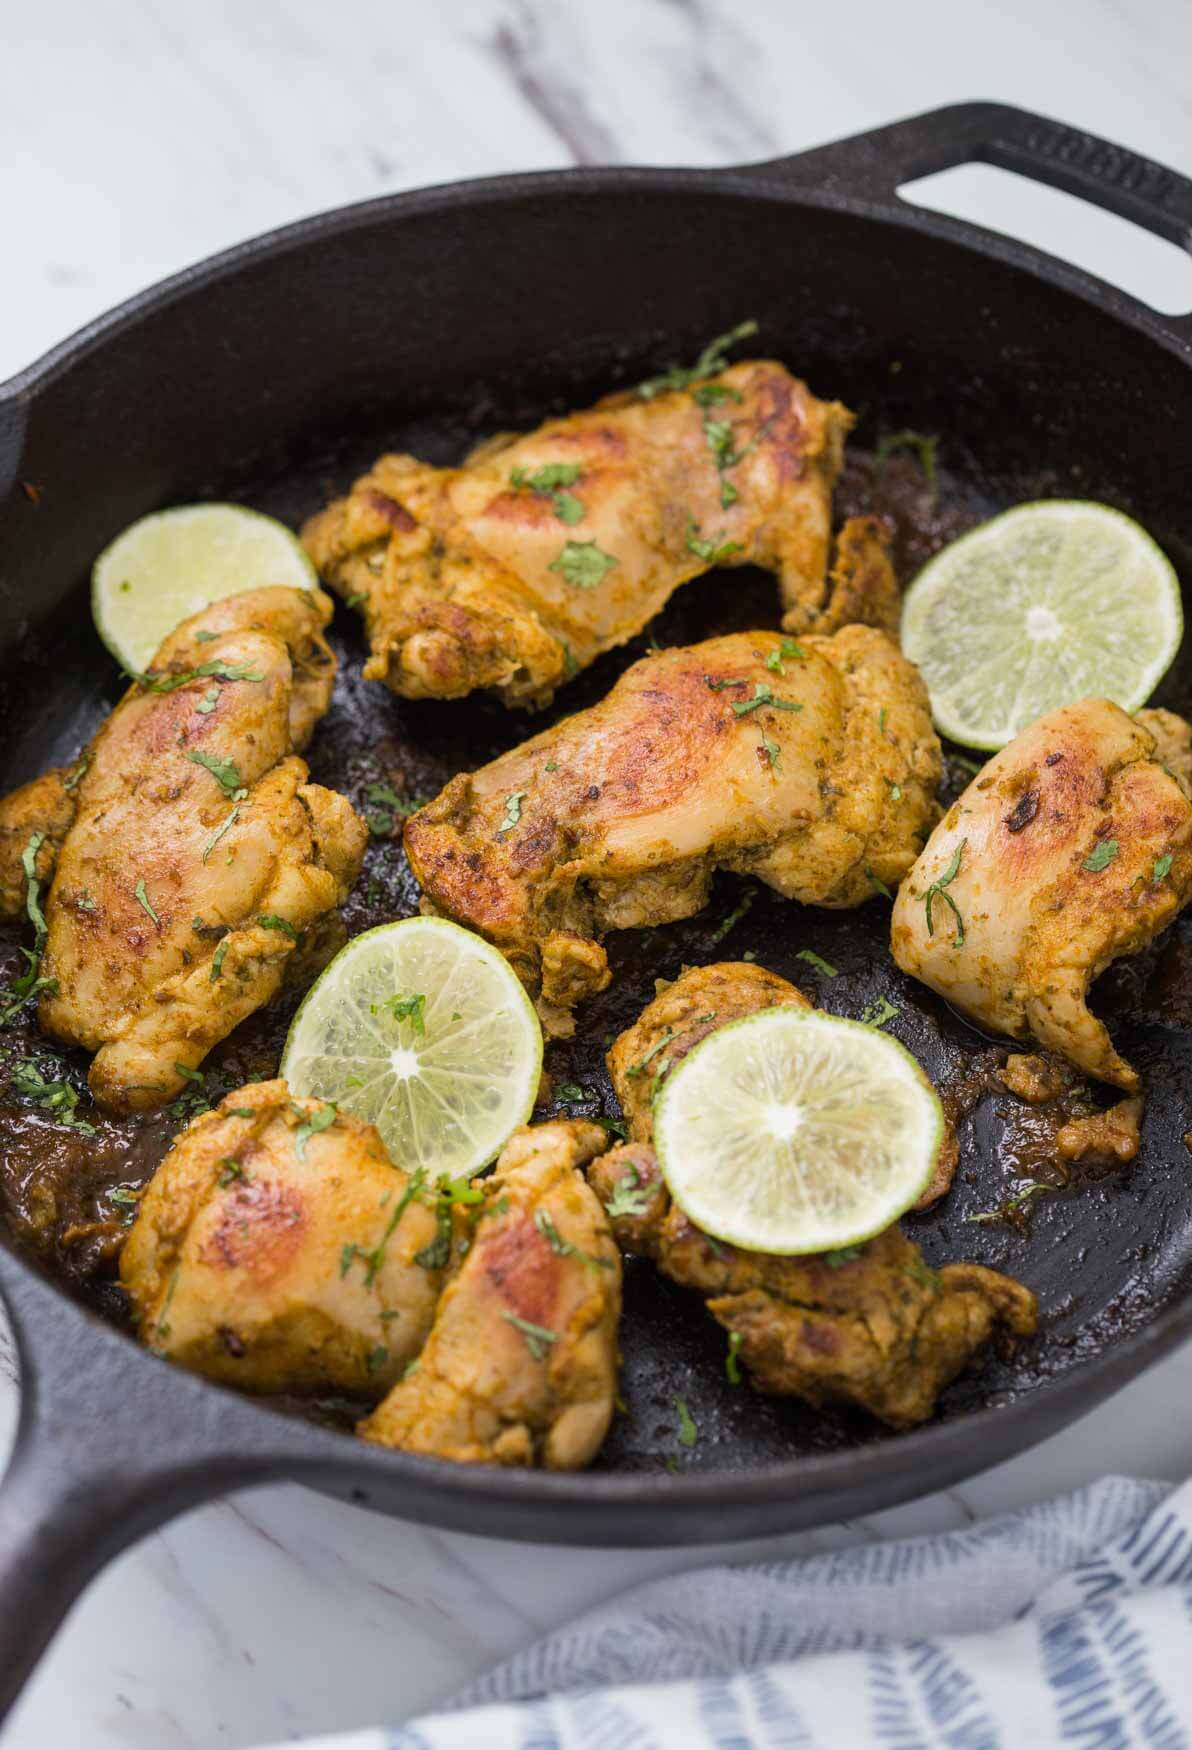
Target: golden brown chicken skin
[278, 1252]
[812, 765]
[873, 1325]
[517, 570]
[46, 806]
[1072, 848]
[520, 1367]
[199, 863]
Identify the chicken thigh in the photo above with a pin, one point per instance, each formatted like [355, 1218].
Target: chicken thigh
[872, 1325]
[517, 570]
[199, 861]
[812, 765]
[1071, 848]
[46, 806]
[520, 1367]
[278, 1248]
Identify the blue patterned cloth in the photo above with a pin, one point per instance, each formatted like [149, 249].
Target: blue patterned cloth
[1069, 1624]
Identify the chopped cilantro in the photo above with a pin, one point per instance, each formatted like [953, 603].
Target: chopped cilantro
[548, 479]
[688, 1432]
[732, 1367]
[772, 752]
[583, 564]
[877, 882]
[843, 1255]
[1012, 1205]
[713, 552]
[376, 1358]
[223, 671]
[922, 1272]
[58, 1099]
[643, 1063]
[937, 890]
[437, 1253]
[924, 447]
[218, 834]
[322, 1120]
[789, 649]
[513, 811]
[142, 899]
[1101, 856]
[710, 361]
[878, 1012]
[820, 964]
[78, 772]
[270, 921]
[217, 960]
[223, 771]
[538, 1338]
[630, 1197]
[734, 917]
[762, 695]
[1161, 866]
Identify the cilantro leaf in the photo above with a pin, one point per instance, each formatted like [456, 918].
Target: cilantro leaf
[583, 564]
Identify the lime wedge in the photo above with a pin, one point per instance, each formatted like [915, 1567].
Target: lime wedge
[424, 1030]
[169, 565]
[1049, 603]
[793, 1131]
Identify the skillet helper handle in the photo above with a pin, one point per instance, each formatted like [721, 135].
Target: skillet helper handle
[104, 1453]
[873, 166]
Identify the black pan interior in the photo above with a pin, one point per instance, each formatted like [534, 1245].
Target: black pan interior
[545, 304]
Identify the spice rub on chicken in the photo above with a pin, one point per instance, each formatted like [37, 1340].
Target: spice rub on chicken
[278, 1248]
[46, 806]
[1072, 847]
[520, 1367]
[872, 1325]
[812, 765]
[199, 859]
[518, 569]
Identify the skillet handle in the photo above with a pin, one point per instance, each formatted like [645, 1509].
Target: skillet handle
[105, 1451]
[874, 165]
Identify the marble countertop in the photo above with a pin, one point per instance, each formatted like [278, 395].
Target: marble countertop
[136, 137]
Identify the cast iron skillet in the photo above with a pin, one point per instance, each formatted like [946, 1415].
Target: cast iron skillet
[281, 367]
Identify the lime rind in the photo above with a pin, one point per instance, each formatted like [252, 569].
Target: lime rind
[866, 1128]
[445, 1099]
[1053, 601]
[170, 564]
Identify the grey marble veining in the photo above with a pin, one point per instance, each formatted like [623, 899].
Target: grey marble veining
[135, 137]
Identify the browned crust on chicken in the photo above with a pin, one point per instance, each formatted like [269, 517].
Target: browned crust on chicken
[520, 1366]
[872, 1325]
[458, 570]
[277, 1257]
[812, 766]
[1072, 848]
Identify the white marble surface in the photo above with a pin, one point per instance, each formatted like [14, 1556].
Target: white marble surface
[136, 136]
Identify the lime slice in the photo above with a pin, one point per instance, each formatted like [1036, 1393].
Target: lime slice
[793, 1131]
[424, 1030]
[169, 565]
[1048, 603]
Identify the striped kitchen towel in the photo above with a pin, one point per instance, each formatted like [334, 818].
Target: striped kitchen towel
[1066, 1624]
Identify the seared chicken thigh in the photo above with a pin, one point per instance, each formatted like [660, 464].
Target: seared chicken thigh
[200, 860]
[276, 1251]
[520, 1367]
[811, 765]
[518, 569]
[873, 1326]
[1072, 847]
[47, 805]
